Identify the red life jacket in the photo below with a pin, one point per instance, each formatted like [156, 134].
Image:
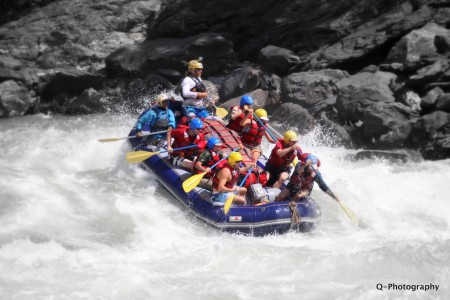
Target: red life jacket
[236, 123]
[304, 181]
[186, 141]
[284, 161]
[234, 177]
[255, 177]
[214, 159]
[252, 135]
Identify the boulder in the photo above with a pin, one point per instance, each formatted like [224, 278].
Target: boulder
[15, 99]
[240, 81]
[277, 60]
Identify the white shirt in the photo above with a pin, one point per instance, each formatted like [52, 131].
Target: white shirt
[186, 86]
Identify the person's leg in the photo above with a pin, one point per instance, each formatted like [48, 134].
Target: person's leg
[281, 179]
[283, 195]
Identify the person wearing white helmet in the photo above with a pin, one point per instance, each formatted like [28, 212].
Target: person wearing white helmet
[193, 91]
[157, 118]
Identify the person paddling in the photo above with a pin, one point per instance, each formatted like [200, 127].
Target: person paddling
[253, 132]
[225, 180]
[185, 137]
[302, 180]
[206, 159]
[283, 154]
[240, 113]
[157, 118]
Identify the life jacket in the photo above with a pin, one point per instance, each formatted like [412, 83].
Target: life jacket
[162, 119]
[199, 87]
[252, 135]
[186, 141]
[214, 159]
[256, 177]
[234, 176]
[284, 161]
[304, 180]
[235, 124]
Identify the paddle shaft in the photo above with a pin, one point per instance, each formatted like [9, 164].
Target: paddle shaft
[267, 130]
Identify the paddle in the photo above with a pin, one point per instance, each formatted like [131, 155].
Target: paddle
[138, 156]
[260, 122]
[271, 128]
[230, 199]
[220, 111]
[190, 183]
[350, 214]
[107, 140]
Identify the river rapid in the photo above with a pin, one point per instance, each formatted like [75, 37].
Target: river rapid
[78, 222]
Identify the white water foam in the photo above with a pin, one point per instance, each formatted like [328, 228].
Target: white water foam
[78, 222]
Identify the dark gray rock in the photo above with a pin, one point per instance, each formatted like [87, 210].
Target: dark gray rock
[277, 60]
[309, 88]
[89, 102]
[293, 116]
[72, 82]
[443, 102]
[241, 81]
[15, 99]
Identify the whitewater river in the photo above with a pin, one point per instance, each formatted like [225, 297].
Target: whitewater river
[78, 222]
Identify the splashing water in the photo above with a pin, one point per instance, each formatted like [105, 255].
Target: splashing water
[77, 222]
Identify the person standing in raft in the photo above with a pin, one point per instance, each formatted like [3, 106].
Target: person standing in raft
[207, 159]
[283, 154]
[157, 118]
[302, 180]
[185, 137]
[253, 132]
[193, 91]
[225, 180]
[239, 114]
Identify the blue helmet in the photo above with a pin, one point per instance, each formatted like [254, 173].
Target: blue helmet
[246, 100]
[195, 123]
[314, 159]
[213, 142]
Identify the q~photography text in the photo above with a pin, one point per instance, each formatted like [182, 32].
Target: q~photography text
[407, 287]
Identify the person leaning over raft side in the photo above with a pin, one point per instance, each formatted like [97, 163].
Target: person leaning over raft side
[225, 180]
[158, 118]
[207, 159]
[240, 113]
[302, 180]
[193, 91]
[185, 137]
[283, 154]
[253, 132]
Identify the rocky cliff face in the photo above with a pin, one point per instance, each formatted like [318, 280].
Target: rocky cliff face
[373, 73]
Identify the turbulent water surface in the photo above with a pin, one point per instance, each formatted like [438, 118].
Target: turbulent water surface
[78, 222]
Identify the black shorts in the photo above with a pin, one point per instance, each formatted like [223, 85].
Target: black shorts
[293, 189]
[275, 172]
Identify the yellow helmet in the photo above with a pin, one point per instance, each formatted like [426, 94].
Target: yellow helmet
[290, 136]
[161, 98]
[234, 157]
[194, 64]
[262, 114]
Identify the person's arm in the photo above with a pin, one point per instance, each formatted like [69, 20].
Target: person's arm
[235, 112]
[145, 118]
[171, 119]
[323, 186]
[169, 139]
[203, 158]
[283, 152]
[186, 87]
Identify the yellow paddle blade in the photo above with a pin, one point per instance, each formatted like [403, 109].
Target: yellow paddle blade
[221, 112]
[228, 203]
[190, 183]
[352, 216]
[138, 156]
[109, 140]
